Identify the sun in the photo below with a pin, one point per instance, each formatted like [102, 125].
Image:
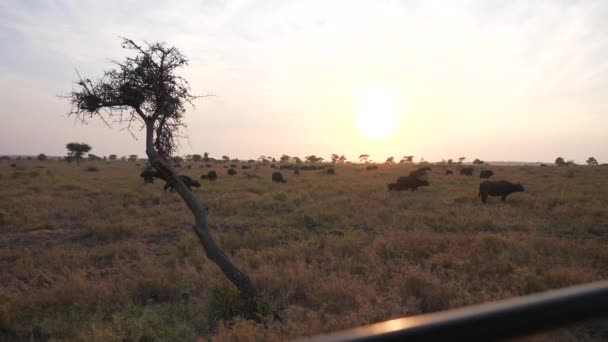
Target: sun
[376, 110]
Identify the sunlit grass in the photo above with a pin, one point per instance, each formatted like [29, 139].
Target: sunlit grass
[101, 256]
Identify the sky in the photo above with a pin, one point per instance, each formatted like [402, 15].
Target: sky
[495, 80]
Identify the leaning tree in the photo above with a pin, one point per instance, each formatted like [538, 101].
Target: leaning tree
[145, 91]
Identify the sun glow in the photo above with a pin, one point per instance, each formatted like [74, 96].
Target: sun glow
[377, 109]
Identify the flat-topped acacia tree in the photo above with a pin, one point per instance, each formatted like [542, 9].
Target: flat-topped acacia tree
[146, 90]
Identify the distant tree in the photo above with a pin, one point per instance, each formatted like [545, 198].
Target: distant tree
[407, 160]
[133, 157]
[284, 158]
[197, 157]
[390, 160]
[264, 159]
[77, 150]
[560, 161]
[478, 161]
[297, 160]
[105, 158]
[570, 163]
[147, 89]
[450, 161]
[342, 159]
[364, 158]
[335, 158]
[92, 157]
[178, 159]
[422, 161]
[226, 158]
[592, 161]
[313, 159]
[112, 157]
[461, 159]
[123, 158]
[206, 156]
[41, 157]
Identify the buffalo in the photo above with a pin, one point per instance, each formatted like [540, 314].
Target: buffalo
[467, 171]
[231, 172]
[277, 177]
[485, 174]
[331, 171]
[499, 188]
[187, 180]
[449, 172]
[211, 175]
[407, 183]
[148, 176]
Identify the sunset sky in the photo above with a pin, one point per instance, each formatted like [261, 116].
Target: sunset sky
[496, 80]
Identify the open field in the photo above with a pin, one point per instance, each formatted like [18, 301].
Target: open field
[91, 253]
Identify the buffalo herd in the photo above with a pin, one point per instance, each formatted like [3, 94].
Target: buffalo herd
[416, 179]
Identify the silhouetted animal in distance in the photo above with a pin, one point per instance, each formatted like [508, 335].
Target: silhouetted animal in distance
[231, 172]
[467, 171]
[449, 172]
[211, 176]
[278, 177]
[407, 183]
[499, 188]
[187, 180]
[486, 174]
[148, 176]
[331, 171]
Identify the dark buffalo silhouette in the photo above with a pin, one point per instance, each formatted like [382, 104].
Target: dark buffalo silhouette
[499, 188]
[278, 177]
[485, 174]
[187, 180]
[148, 176]
[467, 171]
[407, 183]
[296, 171]
[419, 172]
[231, 172]
[211, 175]
[449, 172]
[331, 171]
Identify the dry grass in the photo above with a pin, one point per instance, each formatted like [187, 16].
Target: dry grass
[101, 256]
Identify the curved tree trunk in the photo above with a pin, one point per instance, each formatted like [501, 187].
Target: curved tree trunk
[212, 250]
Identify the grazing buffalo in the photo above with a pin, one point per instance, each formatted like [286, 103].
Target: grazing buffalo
[148, 176]
[296, 171]
[231, 172]
[467, 171]
[485, 174]
[419, 172]
[500, 188]
[407, 183]
[331, 171]
[278, 177]
[449, 172]
[211, 175]
[371, 167]
[187, 180]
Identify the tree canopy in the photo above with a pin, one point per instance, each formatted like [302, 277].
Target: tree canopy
[144, 88]
[77, 150]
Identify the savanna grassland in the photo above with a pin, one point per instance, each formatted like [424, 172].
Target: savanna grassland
[91, 253]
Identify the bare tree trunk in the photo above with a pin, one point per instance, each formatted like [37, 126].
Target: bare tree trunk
[212, 250]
